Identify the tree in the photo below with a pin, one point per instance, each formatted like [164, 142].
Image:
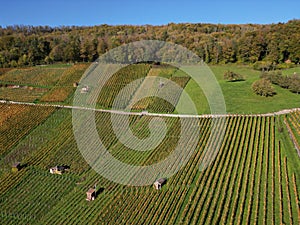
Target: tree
[264, 65]
[56, 53]
[251, 46]
[277, 78]
[102, 46]
[23, 60]
[264, 46]
[229, 51]
[231, 76]
[263, 87]
[295, 84]
[72, 49]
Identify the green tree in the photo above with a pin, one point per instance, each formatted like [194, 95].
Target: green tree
[72, 49]
[23, 60]
[57, 54]
[263, 87]
[252, 46]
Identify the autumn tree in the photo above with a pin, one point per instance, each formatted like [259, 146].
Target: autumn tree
[264, 46]
[263, 87]
[88, 49]
[295, 84]
[72, 49]
[231, 76]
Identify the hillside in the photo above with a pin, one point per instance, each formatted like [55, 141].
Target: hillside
[253, 179]
[269, 44]
[53, 84]
[251, 175]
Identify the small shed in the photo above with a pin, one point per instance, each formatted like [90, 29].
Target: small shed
[91, 194]
[16, 167]
[159, 183]
[161, 84]
[75, 84]
[57, 170]
[85, 89]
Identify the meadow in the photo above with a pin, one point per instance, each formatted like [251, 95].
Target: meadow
[239, 97]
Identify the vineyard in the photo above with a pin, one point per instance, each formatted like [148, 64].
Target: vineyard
[17, 121]
[254, 179]
[23, 94]
[293, 126]
[38, 76]
[150, 87]
[41, 83]
[64, 87]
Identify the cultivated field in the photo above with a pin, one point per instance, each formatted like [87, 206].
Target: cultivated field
[40, 84]
[254, 179]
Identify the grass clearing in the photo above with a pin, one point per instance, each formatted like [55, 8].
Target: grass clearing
[239, 97]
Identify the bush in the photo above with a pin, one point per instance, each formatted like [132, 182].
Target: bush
[277, 78]
[267, 66]
[263, 87]
[231, 76]
[270, 75]
[295, 84]
[285, 66]
[289, 82]
[264, 65]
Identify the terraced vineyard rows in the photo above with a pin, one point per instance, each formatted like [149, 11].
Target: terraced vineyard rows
[251, 181]
[44, 83]
[49, 144]
[157, 86]
[34, 194]
[152, 86]
[292, 124]
[23, 94]
[118, 81]
[64, 87]
[17, 121]
[38, 76]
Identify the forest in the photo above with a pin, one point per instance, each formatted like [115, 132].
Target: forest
[264, 46]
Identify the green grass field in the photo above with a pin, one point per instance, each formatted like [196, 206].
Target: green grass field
[239, 97]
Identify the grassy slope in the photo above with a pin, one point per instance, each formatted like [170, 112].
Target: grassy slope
[239, 97]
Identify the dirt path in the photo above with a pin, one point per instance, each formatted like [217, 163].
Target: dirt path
[281, 112]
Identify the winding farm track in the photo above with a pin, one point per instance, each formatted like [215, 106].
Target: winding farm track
[281, 112]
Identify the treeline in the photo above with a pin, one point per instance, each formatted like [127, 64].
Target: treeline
[261, 44]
